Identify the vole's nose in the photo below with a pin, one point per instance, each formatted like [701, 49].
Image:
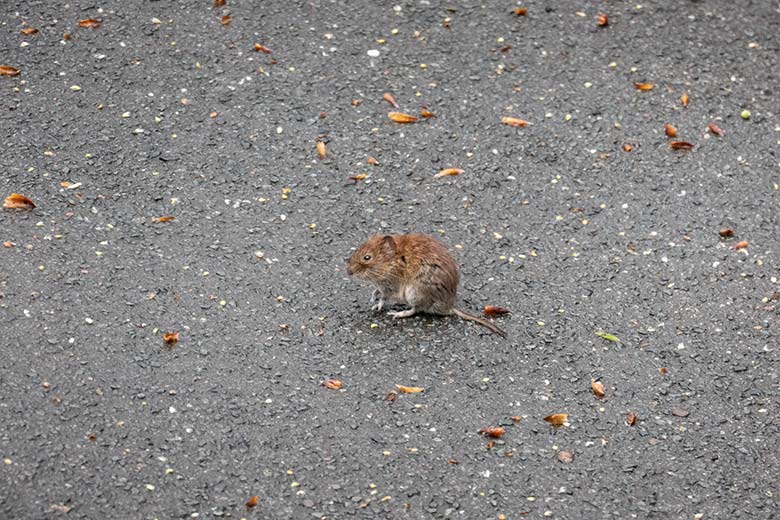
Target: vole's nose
[349, 271]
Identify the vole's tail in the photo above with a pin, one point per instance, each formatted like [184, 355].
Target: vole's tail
[485, 323]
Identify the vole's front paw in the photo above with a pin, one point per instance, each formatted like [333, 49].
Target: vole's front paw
[378, 306]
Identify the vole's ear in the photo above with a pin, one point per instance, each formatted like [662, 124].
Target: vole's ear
[388, 243]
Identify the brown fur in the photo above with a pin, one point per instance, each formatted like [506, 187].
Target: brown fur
[413, 269]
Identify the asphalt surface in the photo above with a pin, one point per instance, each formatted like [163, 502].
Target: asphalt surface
[555, 221]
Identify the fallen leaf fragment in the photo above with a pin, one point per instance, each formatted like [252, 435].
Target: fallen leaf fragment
[454, 462]
[565, 456]
[602, 20]
[410, 389]
[741, 245]
[426, 113]
[321, 150]
[684, 100]
[166, 218]
[598, 388]
[607, 336]
[252, 502]
[16, 201]
[400, 117]
[726, 232]
[627, 147]
[66, 36]
[212, 115]
[356, 102]
[670, 130]
[521, 11]
[8, 243]
[391, 396]
[448, 172]
[390, 99]
[513, 121]
[716, 130]
[495, 310]
[495, 432]
[516, 418]
[557, 419]
[90, 23]
[680, 145]
[358, 177]
[631, 419]
[332, 384]
[680, 412]
[219, 3]
[60, 508]
[262, 48]
[5, 70]
[225, 20]
[372, 161]
[644, 86]
[29, 31]
[663, 370]
[170, 338]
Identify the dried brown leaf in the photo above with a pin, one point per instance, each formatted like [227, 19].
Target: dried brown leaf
[680, 145]
[372, 161]
[741, 245]
[356, 102]
[454, 462]
[332, 384]
[166, 218]
[66, 36]
[716, 130]
[5, 70]
[170, 338]
[322, 152]
[726, 232]
[558, 419]
[263, 49]
[252, 502]
[644, 86]
[391, 396]
[521, 11]
[631, 419]
[663, 370]
[16, 201]
[219, 3]
[627, 147]
[495, 310]
[602, 20]
[684, 99]
[670, 130]
[390, 99]
[410, 389]
[513, 121]
[29, 31]
[90, 23]
[448, 172]
[212, 115]
[426, 113]
[400, 117]
[598, 388]
[8, 243]
[358, 177]
[225, 20]
[516, 418]
[495, 432]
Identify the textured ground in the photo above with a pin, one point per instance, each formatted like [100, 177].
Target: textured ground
[180, 116]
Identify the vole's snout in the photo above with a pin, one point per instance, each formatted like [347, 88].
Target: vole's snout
[349, 271]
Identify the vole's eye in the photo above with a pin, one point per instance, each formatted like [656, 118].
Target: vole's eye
[367, 258]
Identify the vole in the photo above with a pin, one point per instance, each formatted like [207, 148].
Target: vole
[413, 269]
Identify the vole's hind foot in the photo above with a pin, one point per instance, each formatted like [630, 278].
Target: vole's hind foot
[408, 313]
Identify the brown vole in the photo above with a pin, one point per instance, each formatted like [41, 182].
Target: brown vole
[413, 269]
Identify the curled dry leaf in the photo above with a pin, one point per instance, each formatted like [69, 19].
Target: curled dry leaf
[680, 145]
[390, 99]
[170, 338]
[426, 113]
[644, 86]
[513, 121]
[225, 20]
[262, 48]
[627, 147]
[741, 245]
[321, 150]
[16, 201]
[166, 218]
[448, 172]
[631, 419]
[219, 3]
[8, 243]
[332, 384]
[5, 70]
[726, 232]
[29, 31]
[90, 23]
[410, 389]
[716, 130]
[521, 11]
[602, 20]
[495, 310]
[495, 432]
[670, 130]
[684, 99]
[372, 161]
[557, 419]
[400, 117]
[252, 502]
[598, 388]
